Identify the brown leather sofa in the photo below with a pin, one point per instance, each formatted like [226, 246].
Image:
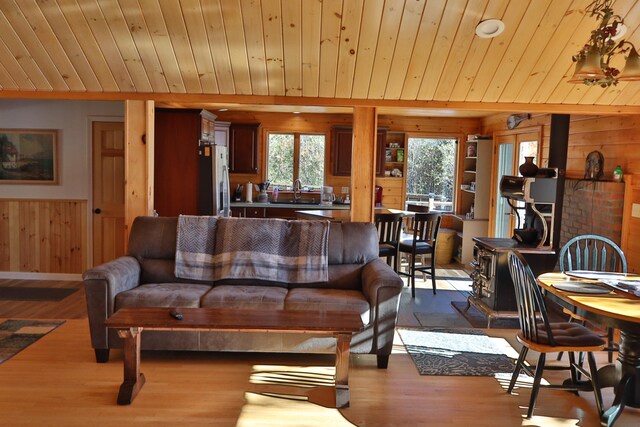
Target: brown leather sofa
[358, 280]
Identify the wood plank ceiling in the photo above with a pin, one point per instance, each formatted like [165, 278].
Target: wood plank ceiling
[413, 50]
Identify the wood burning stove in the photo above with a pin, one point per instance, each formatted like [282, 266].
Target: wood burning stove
[492, 288]
[532, 201]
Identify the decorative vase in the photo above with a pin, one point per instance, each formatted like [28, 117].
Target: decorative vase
[528, 168]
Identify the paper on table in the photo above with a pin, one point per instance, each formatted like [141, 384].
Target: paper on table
[596, 275]
[582, 287]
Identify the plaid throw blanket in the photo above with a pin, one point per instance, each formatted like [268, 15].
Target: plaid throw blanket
[195, 247]
[272, 249]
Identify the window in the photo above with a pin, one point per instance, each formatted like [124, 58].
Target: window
[431, 166]
[292, 156]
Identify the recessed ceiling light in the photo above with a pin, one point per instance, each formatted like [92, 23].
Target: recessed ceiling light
[621, 30]
[223, 109]
[296, 112]
[490, 28]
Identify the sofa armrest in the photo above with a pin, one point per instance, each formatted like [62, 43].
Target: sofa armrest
[382, 287]
[101, 285]
[118, 275]
[376, 275]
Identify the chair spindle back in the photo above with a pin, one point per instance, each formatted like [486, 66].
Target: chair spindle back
[532, 310]
[592, 252]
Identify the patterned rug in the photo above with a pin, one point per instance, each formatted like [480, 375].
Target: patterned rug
[16, 335]
[463, 352]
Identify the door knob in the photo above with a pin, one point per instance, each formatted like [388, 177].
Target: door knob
[97, 210]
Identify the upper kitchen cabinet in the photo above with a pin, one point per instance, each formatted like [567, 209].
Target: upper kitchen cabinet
[243, 147]
[341, 140]
[182, 182]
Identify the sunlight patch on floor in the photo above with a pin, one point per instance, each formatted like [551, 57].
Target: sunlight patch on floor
[301, 376]
[524, 381]
[260, 410]
[550, 421]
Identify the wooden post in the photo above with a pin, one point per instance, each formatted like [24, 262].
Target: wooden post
[138, 170]
[363, 163]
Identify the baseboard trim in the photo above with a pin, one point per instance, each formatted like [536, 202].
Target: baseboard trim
[38, 276]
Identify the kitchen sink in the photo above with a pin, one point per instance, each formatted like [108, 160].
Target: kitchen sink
[296, 202]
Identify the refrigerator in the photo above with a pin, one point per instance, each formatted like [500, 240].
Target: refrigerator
[214, 197]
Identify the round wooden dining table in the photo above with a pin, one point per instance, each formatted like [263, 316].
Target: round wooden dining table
[615, 309]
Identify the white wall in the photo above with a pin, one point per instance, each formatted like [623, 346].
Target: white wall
[72, 119]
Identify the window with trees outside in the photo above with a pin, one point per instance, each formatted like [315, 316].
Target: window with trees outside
[431, 166]
[292, 156]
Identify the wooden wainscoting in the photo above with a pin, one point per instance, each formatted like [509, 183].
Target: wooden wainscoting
[43, 236]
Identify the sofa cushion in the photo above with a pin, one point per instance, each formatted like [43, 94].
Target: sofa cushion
[245, 297]
[328, 300]
[352, 243]
[163, 295]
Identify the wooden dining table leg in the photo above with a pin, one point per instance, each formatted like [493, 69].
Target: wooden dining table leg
[133, 378]
[627, 373]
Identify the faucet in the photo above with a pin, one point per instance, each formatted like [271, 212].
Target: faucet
[297, 187]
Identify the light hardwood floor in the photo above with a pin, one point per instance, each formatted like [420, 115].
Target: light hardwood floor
[56, 382]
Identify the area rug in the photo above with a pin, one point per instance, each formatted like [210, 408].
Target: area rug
[22, 293]
[457, 352]
[16, 335]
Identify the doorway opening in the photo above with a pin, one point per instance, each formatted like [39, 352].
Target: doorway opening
[431, 167]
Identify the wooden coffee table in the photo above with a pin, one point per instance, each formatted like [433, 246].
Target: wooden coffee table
[130, 323]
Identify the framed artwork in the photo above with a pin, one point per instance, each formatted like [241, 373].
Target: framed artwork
[28, 156]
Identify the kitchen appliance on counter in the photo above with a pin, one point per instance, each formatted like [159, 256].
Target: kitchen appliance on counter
[263, 197]
[326, 196]
[533, 203]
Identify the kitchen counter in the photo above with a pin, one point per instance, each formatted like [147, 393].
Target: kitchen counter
[301, 206]
[341, 215]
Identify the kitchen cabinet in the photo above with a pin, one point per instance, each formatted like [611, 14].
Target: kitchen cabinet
[243, 147]
[341, 140]
[182, 183]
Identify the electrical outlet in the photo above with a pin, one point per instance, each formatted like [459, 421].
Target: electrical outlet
[635, 210]
[345, 190]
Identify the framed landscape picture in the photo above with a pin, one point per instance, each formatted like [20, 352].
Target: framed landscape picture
[28, 156]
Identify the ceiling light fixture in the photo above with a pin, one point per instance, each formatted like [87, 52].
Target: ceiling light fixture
[489, 28]
[593, 61]
[223, 109]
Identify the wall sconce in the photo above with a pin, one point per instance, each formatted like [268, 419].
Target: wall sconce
[593, 60]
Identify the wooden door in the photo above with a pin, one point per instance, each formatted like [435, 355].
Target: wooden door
[510, 148]
[108, 191]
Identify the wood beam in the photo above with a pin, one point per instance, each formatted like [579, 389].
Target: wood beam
[210, 101]
[363, 163]
[138, 170]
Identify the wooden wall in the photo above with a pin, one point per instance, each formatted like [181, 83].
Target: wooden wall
[322, 123]
[43, 236]
[616, 137]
